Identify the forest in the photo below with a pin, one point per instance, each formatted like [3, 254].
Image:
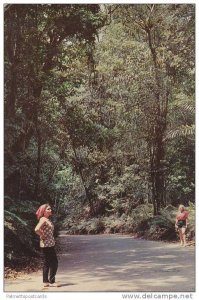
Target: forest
[99, 119]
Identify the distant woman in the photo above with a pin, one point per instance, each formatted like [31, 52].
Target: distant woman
[181, 224]
[45, 229]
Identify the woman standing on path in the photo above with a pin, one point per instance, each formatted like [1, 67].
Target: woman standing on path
[45, 229]
[181, 224]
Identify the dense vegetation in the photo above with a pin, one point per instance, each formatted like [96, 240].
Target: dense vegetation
[99, 118]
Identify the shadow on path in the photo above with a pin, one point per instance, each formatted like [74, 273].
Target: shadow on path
[119, 263]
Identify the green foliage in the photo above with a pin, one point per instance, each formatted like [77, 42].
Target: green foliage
[184, 130]
[163, 225]
[103, 129]
[13, 216]
[93, 226]
[18, 228]
[191, 221]
[181, 174]
[140, 222]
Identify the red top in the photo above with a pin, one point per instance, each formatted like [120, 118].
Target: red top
[182, 215]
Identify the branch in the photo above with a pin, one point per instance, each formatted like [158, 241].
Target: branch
[150, 7]
[109, 13]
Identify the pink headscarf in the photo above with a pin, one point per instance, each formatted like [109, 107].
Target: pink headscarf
[41, 210]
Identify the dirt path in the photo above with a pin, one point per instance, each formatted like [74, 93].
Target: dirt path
[116, 263]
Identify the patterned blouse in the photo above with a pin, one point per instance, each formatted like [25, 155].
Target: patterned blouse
[47, 239]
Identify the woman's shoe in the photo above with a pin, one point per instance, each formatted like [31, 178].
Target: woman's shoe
[55, 284]
[45, 284]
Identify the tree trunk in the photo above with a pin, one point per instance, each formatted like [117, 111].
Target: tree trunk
[38, 170]
[11, 98]
[157, 154]
[12, 47]
[80, 171]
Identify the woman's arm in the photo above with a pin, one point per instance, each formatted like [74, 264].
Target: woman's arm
[38, 228]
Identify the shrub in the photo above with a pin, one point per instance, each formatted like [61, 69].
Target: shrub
[141, 221]
[162, 226]
[137, 221]
[19, 236]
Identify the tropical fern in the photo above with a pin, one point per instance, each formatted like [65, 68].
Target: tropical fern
[9, 226]
[184, 130]
[187, 107]
[15, 217]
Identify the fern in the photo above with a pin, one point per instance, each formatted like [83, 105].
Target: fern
[9, 226]
[16, 217]
[183, 131]
[188, 108]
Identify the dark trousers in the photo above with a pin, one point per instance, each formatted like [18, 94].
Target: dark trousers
[50, 264]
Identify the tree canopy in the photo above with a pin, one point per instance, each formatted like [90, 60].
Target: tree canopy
[99, 112]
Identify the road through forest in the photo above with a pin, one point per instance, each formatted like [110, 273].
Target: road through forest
[111, 263]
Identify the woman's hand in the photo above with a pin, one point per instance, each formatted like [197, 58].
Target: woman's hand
[39, 232]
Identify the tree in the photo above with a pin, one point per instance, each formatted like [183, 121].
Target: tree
[146, 72]
[34, 36]
[162, 27]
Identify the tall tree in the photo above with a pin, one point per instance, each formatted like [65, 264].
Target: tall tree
[148, 67]
[162, 27]
[34, 36]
